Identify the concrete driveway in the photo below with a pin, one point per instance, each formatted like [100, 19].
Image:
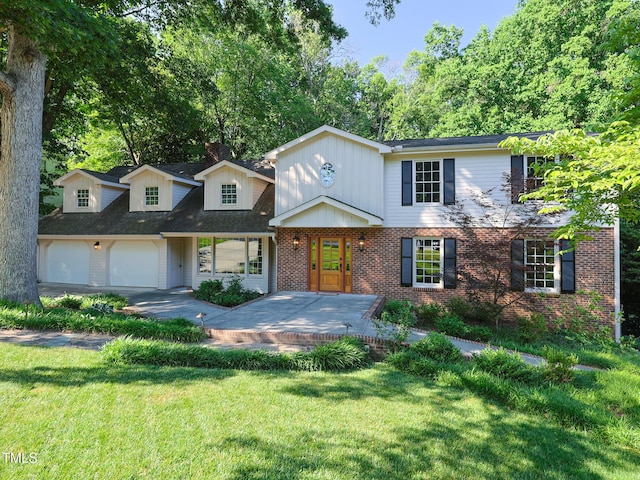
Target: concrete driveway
[303, 312]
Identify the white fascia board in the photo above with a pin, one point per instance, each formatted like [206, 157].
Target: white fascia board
[273, 154]
[201, 176]
[127, 178]
[448, 149]
[372, 220]
[100, 236]
[59, 182]
[217, 234]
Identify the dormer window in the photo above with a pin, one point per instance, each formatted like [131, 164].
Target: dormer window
[229, 194]
[83, 198]
[151, 196]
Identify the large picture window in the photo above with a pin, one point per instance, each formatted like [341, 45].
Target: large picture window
[427, 181]
[541, 271]
[224, 256]
[427, 262]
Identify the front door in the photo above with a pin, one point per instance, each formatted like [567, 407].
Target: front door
[330, 264]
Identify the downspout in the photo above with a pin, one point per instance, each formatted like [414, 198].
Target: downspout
[616, 275]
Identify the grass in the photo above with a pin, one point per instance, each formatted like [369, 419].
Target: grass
[81, 315]
[86, 419]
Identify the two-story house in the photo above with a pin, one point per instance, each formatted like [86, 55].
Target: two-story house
[326, 212]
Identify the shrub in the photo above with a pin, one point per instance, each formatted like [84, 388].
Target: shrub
[559, 367]
[72, 302]
[532, 327]
[344, 354]
[411, 362]
[214, 291]
[478, 333]
[484, 312]
[505, 365]
[396, 321]
[452, 325]
[114, 300]
[458, 307]
[428, 313]
[437, 347]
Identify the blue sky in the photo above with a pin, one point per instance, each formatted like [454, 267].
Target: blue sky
[405, 32]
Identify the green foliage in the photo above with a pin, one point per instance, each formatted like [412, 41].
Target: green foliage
[95, 320]
[437, 347]
[505, 365]
[454, 326]
[395, 321]
[214, 291]
[458, 307]
[581, 323]
[344, 354]
[411, 362]
[72, 302]
[428, 313]
[559, 366]
[532, 327]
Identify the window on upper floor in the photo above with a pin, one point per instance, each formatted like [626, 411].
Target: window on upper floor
[534, 172]
[83, 198]
[541, 266]
[151, 196]
[229, 194]
[427, 181]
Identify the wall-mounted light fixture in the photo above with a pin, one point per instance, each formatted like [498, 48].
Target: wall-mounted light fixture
[361, 242]
[296, 242]
[96, 246]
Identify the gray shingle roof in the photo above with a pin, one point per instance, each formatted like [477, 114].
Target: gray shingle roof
[450, 141]
[188, 216]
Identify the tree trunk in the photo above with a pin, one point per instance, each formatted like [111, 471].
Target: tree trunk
[22, 88]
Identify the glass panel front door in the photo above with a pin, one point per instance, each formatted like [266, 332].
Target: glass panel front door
[331, 264]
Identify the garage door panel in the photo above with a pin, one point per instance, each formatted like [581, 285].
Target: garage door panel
[68, 262]
[134, 264]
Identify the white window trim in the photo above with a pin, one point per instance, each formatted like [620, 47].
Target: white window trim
[147, 196]
[416, 284]
[556, 269]
[214, 274]
[440, 181]
[78, 198]
[223, 194]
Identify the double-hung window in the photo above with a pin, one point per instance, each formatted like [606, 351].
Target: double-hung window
[83, 198]
[151, 196]
[427, 263]
[534, 172]
[427, 181]
[541, 266]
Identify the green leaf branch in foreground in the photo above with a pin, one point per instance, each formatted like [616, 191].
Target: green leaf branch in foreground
[597, 178]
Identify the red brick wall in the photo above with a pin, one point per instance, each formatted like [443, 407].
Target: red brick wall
[376, 270]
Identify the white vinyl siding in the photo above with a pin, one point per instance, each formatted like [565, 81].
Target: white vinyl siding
[358, 181]
[178, 192]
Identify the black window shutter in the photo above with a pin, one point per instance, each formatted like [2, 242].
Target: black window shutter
[517, 177]
[450, 270]
[406, 266]
[567, 268]
[517, 265]
[407, 182]
[449, 170]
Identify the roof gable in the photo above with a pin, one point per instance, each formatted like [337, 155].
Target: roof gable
[202, 176]
[325, 129]
[95, 177]
[166, 173]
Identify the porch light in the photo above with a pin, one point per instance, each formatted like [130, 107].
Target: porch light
[296, 242]
[96, 246]
[361, 242]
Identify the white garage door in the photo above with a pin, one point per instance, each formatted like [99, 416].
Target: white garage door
[68, 262]
[134, 264]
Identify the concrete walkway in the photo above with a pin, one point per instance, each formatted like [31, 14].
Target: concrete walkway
[301, 312]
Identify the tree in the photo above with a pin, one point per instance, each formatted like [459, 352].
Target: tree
[488, 226]
[597, 178]
[83, 31]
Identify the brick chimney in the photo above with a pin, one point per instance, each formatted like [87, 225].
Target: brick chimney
[215, 152]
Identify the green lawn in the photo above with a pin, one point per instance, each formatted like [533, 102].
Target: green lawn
[82, 419]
